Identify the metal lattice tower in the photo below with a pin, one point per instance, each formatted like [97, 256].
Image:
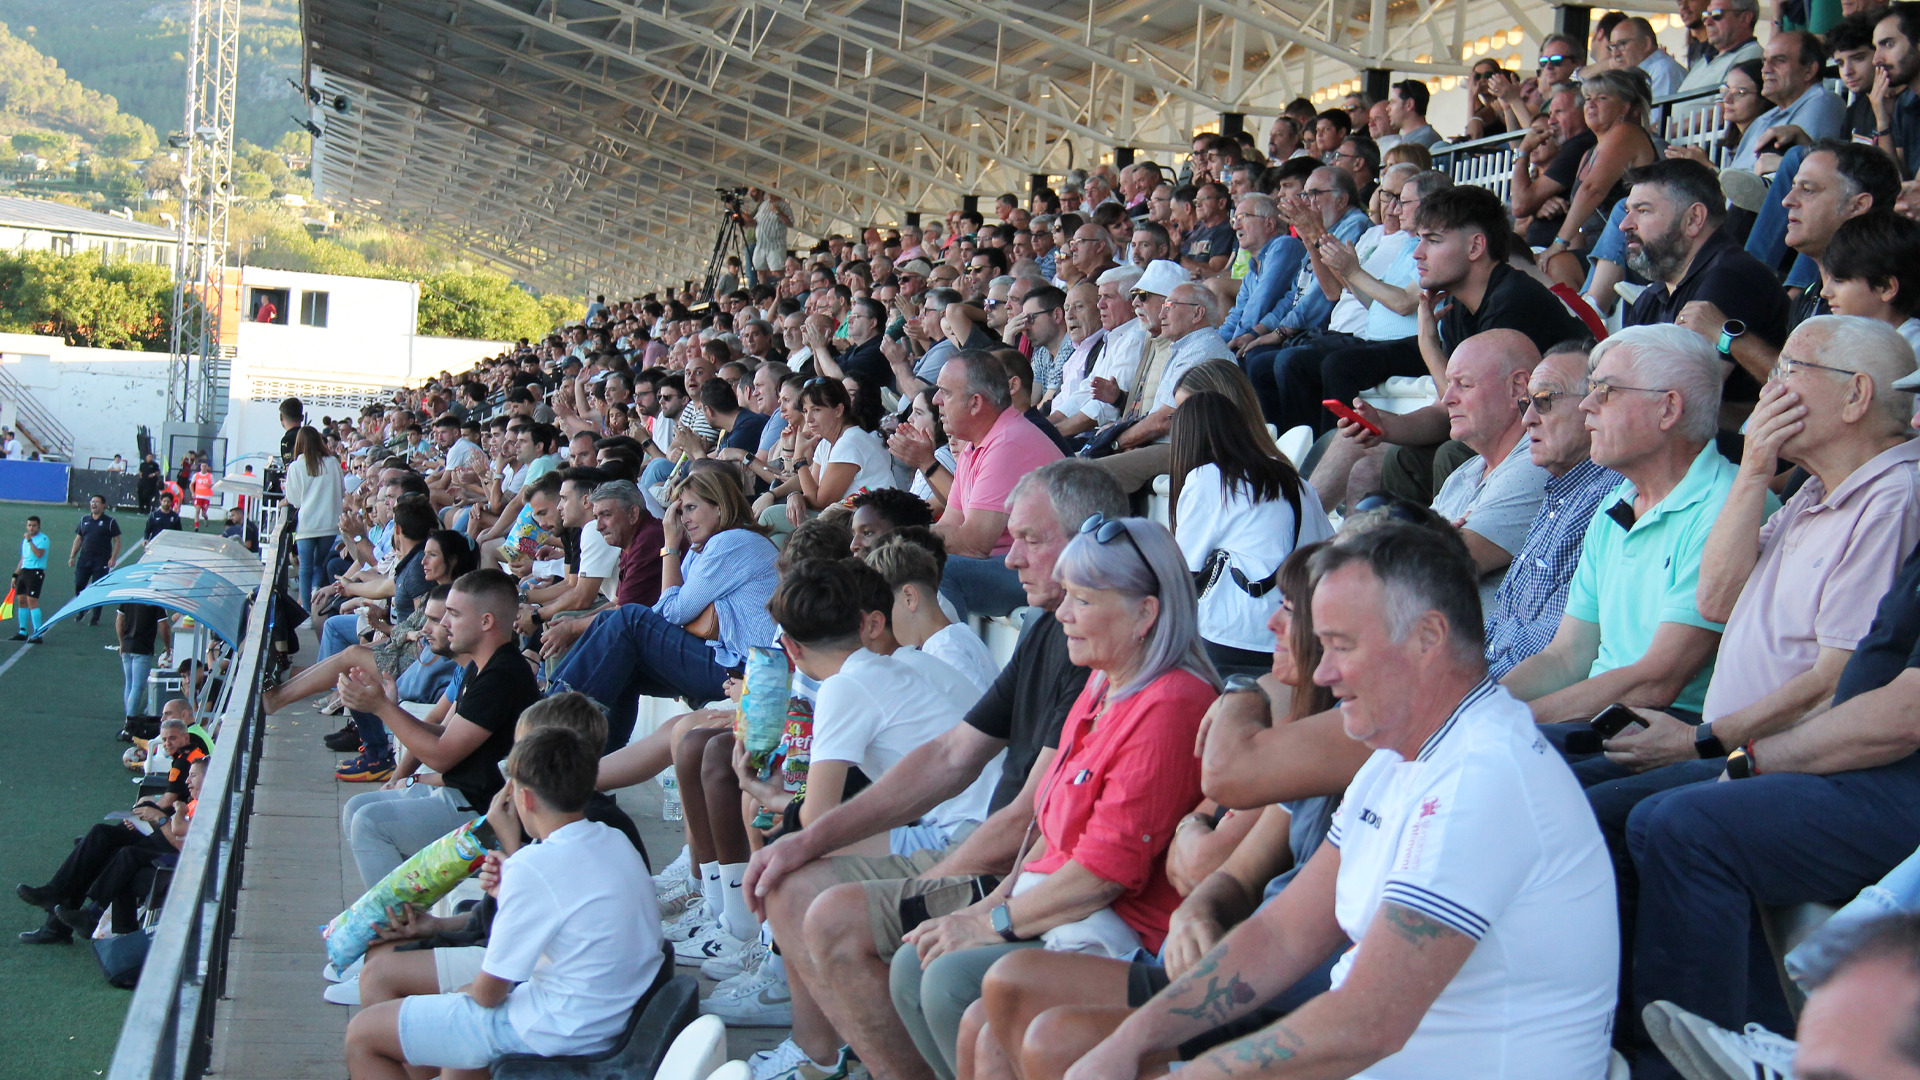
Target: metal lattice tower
[198, 371]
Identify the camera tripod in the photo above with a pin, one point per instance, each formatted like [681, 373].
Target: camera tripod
[729, 230]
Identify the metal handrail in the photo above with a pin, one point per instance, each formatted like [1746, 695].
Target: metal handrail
[1488, 162]
[169, 1027]
[47, 433]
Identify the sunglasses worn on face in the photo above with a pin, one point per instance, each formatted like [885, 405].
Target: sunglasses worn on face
[1542, 401]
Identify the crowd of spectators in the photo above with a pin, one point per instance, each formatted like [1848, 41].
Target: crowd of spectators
[1402, 755]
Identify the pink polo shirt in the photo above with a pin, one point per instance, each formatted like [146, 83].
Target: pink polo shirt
[984, 474]
[1825, 562]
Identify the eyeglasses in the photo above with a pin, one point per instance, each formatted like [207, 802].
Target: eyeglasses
[1720, 15]
[1314, 193]
[1247, 217]
[1184, 303]
[1542, 401]
[1106, 530]
[1555, 59]
[1602, 391]
[1786, 366]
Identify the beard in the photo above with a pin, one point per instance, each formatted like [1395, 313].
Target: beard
[1660, 257]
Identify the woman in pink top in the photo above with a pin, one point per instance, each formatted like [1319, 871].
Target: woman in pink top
[1093, 876]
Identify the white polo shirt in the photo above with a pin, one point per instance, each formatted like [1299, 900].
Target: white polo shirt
[1488, 832]
[599, 559]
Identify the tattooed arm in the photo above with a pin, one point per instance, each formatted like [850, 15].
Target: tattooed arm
[1404, 961]
[1261, 957]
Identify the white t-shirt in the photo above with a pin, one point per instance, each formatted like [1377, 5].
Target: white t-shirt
[599, 558]
[865, 452]
[1257, 536]
[1488, 832]
[878, 709]
[963, 650]
[578, 929]
[462, 452]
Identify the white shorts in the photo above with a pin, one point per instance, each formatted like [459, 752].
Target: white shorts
[456, 967]
[453, 1031]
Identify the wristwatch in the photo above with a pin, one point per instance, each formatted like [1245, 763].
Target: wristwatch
[666, 551]
[1245, 684]
[1730, 332]
[1002, 920]
[1705, 745]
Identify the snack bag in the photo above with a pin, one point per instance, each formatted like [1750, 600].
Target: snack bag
[430, 874]
[763, 711]
[796, 745]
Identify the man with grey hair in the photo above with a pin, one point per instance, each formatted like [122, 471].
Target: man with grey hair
[840, 919]
[975, 401]
[1112, 366]
[1633, 632]
[1797, 588]
[1453, 936]
[1271, 268]
[620, 513]
[1633, 44]
[1187, 319]
[1730, 26]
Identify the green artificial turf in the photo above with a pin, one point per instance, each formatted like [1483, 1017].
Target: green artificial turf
[60, 710]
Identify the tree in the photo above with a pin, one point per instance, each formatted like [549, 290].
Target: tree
[477, 304]
[51, 145]
[118, 305]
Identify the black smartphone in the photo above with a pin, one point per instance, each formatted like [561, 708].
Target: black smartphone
[1613, 720]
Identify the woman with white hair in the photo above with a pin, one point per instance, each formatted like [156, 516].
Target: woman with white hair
[1093, 872]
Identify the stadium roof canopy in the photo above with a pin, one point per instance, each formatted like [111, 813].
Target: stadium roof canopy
[580, 141]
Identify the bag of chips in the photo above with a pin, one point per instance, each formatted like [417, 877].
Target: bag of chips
[762, 719]
[430, 874]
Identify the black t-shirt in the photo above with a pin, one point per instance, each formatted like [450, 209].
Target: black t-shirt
[1028, 702]
[1809, 303]
[286, 443]
[493, 698]
[149, 471]
[1564, 170]
[160, 521]
[867, 362]
[1892, 644]
[1741, 286]
[142, 627]
[745, 435]
[96, 539]
[1208, 242]
[177, 766]
[1906, 132]
[1513, 301]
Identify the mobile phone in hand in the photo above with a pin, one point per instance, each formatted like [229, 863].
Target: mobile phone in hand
[1345, 412]
[1613, 720]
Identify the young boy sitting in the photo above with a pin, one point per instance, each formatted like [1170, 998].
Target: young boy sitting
[912, 558]
[577, 932]
[1868, 264]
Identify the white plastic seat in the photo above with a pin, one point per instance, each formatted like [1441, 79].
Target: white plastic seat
[732, 1070]
[697, 1053]
[1402, 394]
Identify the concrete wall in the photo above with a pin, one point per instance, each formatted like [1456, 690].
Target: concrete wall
[101, 395]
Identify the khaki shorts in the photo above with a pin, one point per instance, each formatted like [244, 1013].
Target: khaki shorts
[899, 899]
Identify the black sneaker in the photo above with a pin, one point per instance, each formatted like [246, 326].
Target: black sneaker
[345, 740]
[21, 636]
[81, 920]
[47, 935]
[44, 899]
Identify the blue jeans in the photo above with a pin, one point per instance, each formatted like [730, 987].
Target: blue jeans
[632, 652]
[313, 552]
[337, 633]
[134, 670]
[1706, 853]
[1287, 379]
[1767, 241]
[655, 471]
[1898, 892]
[981, 586]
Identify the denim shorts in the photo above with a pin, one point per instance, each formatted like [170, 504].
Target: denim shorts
[453, 1031]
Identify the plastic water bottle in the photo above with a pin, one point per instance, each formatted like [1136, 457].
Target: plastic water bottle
[670, 796]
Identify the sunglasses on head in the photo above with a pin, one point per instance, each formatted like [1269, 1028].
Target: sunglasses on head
[1397, 508]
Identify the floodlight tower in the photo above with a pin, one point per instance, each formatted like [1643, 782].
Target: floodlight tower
[205, 300]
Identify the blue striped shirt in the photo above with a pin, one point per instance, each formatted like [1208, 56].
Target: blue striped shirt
[1533, 595]
[734, 571]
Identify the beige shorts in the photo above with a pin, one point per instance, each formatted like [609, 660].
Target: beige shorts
[893, 883]
[456, 967]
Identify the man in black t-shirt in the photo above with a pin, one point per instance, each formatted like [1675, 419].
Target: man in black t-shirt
[1557, 180]
[139, 627]
[385, 827]
[875, 900]
[96, 547]
[164, 517]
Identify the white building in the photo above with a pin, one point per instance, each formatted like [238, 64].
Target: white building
[337, 343]
[44, 225]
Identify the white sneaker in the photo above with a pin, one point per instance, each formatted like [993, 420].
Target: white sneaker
[758, 999]
[771, 1063]
[676, 879]
[692, 920]
[711, 942]
[343, 993]
[1756, 1054]
[722, 968]
[333, 974]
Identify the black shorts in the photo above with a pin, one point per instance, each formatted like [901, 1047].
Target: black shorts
[29, 582]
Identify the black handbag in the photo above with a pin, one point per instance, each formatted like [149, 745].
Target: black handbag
[1106, 441]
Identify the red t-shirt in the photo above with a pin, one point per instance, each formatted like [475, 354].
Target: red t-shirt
[640, 563]
[1114, 793]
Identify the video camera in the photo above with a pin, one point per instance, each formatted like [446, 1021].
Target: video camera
[730, 196]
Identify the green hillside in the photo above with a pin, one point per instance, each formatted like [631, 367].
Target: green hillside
[135, 51]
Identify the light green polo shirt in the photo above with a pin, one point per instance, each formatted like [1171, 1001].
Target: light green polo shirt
[1629, 581]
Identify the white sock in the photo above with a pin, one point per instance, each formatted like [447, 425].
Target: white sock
[711, 889]
[733, 910]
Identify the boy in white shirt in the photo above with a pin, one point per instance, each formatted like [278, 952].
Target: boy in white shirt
[577, 931]
[912, 559]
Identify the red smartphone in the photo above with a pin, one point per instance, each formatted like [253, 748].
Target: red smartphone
[1344, 412]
